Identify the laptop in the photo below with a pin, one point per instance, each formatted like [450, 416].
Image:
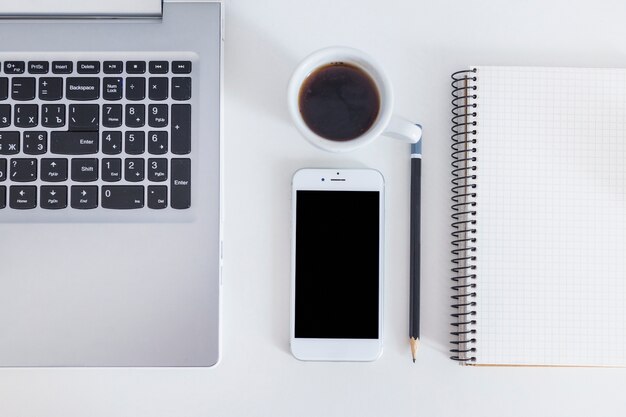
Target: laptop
[110, 183]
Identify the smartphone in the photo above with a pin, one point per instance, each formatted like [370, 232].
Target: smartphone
[337, 264]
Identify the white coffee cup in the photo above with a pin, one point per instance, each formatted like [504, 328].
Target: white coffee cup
[386, 122]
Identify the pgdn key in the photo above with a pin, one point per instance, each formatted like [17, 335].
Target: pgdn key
[123, 197]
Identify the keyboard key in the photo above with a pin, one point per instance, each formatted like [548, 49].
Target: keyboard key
[62, 67]
[14, 67]
[88, 67]
[50, 88]
[122, 197]
[23, 88]
[73, 143]
[53, 169]
[135, 143]
[157, 88]
[158, 67]
[111, 169]
[5, 115]
[4, 88]
[53, 197]
[134, 169]
[157, 169]
[84, 197]
[181, 88]
[157, 142]
[135, 67]
[53, 115]
[38, 67]
[23, 197]
[111, 115]
[181, 129]
[26, 115]
[157, 115]
[23, 169]
[9, 143]
[112, 88]
[157, 196]
[82, 89]
[113, 67]
[111, 142]
[181, 67]
[3, 196]
[135, 115]
[35, 142]
[135, 88]
[3, 169]
[84, 117]
[181, 183]
[84, 169]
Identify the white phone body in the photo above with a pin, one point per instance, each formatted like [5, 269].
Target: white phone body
[321, 329]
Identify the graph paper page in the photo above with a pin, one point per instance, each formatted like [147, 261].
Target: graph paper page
[551, 216]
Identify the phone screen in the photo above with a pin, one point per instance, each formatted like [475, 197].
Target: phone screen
[337, 264]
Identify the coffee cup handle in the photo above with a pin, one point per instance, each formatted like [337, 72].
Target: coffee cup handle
[403, 129]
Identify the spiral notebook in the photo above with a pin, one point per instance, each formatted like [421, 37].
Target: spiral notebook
[539, 216]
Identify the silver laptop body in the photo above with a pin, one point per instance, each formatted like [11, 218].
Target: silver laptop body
[113, 257]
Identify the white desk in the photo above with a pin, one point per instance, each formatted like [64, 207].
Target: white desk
[420, 43]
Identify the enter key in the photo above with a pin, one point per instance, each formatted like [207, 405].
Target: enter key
[181, 183]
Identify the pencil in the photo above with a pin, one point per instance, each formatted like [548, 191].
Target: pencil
[416, 191]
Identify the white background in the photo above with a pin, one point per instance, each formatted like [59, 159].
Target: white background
[419, 43]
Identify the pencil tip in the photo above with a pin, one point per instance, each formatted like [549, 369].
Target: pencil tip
[414, 342]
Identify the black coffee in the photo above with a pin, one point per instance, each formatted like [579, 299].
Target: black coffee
[339, 101]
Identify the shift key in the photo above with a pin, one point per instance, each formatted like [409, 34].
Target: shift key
[181, 183]
[181, 129]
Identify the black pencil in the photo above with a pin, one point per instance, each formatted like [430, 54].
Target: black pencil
[416, 191]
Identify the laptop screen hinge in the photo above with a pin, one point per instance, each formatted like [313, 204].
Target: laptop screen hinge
[81, 9]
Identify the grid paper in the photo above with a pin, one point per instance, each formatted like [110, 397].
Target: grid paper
[551, 202]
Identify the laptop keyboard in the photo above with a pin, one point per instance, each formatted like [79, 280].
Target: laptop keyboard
[96, 134]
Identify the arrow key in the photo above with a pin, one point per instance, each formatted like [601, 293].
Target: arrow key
[111, 142]
[53, 197]
[84, 197]
[23, 198]
[134, 169]
[135, 115]
[157, 142]
[53, 169]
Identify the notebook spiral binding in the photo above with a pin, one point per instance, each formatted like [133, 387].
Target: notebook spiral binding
[464, 161]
